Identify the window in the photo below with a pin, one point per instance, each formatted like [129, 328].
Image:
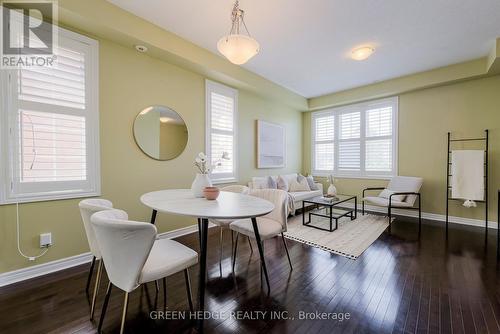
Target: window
[49, 132]
[356, 141]
[221, 131]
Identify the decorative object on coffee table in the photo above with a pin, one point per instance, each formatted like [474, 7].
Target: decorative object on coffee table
[332, 210]
[332, 190]
[211, 193]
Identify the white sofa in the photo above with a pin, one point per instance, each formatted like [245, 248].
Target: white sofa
[294, 198]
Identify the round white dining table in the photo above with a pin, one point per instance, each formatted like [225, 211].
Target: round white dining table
[227, 206]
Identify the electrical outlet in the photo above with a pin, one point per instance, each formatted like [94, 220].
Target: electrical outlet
[45, 240]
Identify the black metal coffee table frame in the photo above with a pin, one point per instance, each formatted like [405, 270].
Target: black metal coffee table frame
[353, 213]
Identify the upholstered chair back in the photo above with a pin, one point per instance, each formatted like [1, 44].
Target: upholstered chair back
[280, 200]
[236, 188]
[406, 184]
[125, 246]
[87, 208]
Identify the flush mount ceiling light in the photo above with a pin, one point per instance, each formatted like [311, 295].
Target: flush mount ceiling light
[362, 53]
[238, 48]
[141, 48]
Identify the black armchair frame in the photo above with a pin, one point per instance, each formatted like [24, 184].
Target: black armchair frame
[390, 207]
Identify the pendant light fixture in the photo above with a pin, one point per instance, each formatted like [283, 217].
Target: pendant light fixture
[238, 48]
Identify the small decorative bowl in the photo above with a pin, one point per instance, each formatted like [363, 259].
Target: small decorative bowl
[211, 193]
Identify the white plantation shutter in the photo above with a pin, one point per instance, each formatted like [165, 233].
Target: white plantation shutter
[52, 125]
[379, 128]
[323, 142]
[221, 130]
[63, 85]
[349, 144]
[52, 147]
[356, 141]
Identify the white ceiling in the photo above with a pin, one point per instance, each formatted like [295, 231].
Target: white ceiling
[305, 44]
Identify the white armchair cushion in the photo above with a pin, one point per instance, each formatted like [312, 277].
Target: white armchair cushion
[268, 228]
[386, 193]
[167, 257]
[379, 201]
[406, 184]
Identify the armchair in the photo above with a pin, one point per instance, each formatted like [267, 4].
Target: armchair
[403, 192]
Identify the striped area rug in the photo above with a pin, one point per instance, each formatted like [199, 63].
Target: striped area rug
[350, 239]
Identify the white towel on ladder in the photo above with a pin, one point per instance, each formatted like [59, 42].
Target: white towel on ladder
[467, 174]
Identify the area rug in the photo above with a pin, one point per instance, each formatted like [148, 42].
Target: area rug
[351, 238]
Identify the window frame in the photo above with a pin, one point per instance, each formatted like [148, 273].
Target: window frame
[362, 109]
[10, 192]
[212, 86]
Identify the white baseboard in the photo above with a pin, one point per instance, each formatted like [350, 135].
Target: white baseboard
[43, 269]
[429, 216]
[23, 274]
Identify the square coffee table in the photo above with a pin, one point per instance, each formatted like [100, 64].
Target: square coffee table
[332, 211]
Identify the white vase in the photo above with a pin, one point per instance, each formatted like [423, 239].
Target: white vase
[200, 181]
[332, 190]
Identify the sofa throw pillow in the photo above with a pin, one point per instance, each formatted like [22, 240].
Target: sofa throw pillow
[271, 183]
[386, 193]
[260, 182]
[310, 182]
[282, 183]
[299, 184]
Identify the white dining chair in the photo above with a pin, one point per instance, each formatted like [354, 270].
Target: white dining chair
[133, 255]
[87, 208]
[270, 225]
[224, 223]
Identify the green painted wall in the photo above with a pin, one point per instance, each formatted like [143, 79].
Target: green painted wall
[425, 117]
[129, 82]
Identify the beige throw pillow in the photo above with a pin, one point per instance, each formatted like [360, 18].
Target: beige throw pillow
[282, 183]
[299, 184]
[386, 193]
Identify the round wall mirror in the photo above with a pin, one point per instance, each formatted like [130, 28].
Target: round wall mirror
[160, 132]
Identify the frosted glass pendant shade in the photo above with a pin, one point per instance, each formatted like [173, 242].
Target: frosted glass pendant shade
[238, 49]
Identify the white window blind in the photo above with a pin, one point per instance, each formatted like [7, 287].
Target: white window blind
[324, 128]
[221, 115]
[356, 141]
[51, 126]
[349, 144]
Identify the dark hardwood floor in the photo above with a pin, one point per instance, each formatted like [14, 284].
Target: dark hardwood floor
[398, 285]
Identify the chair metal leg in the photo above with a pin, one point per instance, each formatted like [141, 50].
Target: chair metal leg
[286, 249]
[89, 278]
[164, 281]
[362, 207]
[251, 247]
[220, 251]
[389, 213]
[124, 313]
[419, 217]
[235, 248]
[104, 307]
[157, 286]
[261, 252]
[188, 289]
[96, 288]
[261, 280]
